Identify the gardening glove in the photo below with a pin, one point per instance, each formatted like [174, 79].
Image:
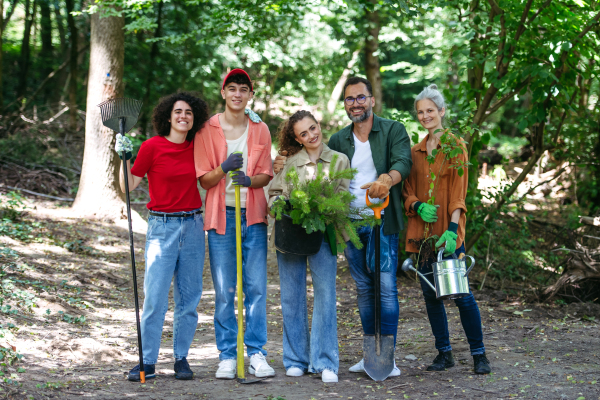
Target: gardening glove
[379, 189]
[233, 162]
[279, 162]
[239, 178]
[123, 143]
[427, 212]
[252, 115]
[450, 238]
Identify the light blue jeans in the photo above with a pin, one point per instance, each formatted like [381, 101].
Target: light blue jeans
[174, 249]
[365, 285]
[223, 266]
[319, 350]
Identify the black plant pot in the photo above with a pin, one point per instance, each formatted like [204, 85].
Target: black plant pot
[293, 239]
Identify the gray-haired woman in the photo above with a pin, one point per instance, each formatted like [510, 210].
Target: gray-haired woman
[447, 220]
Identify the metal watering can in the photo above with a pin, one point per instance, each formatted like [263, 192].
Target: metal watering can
[450, 276]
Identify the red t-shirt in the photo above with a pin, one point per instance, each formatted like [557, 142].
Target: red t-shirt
[171, 174]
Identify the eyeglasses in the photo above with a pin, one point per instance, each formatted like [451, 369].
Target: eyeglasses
[360, 100]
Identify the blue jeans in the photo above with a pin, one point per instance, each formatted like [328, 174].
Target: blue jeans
[223, 266]
[174, 249]
[365, 286]
[319, 350]
[467, 307]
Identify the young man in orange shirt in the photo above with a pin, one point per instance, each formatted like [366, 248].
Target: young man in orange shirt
[215, 154]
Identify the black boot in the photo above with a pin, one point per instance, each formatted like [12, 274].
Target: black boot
[442, 361]
[482, 364]
[182, 370]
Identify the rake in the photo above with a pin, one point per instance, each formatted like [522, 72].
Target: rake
[121, 115]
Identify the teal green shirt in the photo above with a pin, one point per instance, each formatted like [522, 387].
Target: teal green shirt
[390, 147]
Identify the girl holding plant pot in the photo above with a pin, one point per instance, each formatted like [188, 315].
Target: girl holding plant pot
[443, 182]
[301, 137]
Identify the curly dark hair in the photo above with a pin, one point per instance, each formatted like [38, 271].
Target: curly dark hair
[286, 135]
[162, 113]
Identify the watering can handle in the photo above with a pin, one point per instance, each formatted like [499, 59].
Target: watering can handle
[377, 207]
[440, 256]
[471, 267]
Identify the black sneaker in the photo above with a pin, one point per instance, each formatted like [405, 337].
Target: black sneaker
[442, 361]
[482, 364]
[182, 370]
[134, 374]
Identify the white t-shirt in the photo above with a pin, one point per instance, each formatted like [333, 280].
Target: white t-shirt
[239, 144]
[362, 160]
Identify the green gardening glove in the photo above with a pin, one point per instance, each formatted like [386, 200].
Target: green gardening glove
[450, 238]
[427, 212]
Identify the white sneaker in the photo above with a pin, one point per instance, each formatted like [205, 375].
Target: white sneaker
[360, 367]
[294, 371]
[227, 369]
[259, 367]
[328, 376]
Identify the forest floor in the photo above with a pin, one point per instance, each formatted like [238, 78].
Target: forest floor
[79, 339]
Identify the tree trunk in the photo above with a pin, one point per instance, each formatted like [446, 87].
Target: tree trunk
[1, 52]
[145, 117]
[72, 65]
[99, 194]
[46, 53]
[9, 14]
[24, 57]
[339, 86]
[372, 58]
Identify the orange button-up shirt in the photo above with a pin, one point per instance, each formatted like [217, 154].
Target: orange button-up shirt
[210, 150]
[450, 194]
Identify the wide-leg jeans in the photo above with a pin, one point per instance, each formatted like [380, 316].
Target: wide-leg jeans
[174, 251]
[223, 267]
[317, 350]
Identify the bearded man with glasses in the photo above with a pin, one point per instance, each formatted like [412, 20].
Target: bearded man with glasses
[379, 149]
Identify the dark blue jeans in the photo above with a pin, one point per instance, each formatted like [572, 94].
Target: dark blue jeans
[365, 286]
[467, 307]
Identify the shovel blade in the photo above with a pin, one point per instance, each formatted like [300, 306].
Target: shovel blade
[378, 367]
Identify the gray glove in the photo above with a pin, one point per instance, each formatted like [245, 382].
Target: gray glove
[123, 144]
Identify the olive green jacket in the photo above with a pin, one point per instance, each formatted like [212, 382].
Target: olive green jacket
[390, 146]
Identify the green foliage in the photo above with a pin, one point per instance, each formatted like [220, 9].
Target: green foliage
[50, 385]
[70, 319]
[11, 211]
[314, 203]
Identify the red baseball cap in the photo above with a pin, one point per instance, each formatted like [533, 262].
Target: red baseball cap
[237, 71]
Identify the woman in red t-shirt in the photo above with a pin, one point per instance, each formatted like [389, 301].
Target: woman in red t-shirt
[175, 236]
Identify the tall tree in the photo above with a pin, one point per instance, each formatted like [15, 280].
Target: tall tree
[47, 50]
[145, 117]
[372, 67]
[72, 64]
[1, 34]
[25, 48]
[99, 192]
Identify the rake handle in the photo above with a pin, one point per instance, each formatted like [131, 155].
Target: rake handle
[135, 291]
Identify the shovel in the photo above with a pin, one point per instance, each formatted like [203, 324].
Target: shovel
[378, 349]
[121, 115]
[241, 373]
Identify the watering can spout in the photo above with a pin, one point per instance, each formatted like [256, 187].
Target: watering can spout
[408, 265]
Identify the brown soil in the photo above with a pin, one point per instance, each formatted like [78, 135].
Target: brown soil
[536, 350]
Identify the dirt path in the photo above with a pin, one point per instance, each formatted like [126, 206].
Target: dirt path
[76, 268]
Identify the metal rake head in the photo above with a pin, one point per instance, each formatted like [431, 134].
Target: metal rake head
[114, 109]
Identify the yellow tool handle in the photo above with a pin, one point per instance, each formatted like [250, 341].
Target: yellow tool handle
[240, 293]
